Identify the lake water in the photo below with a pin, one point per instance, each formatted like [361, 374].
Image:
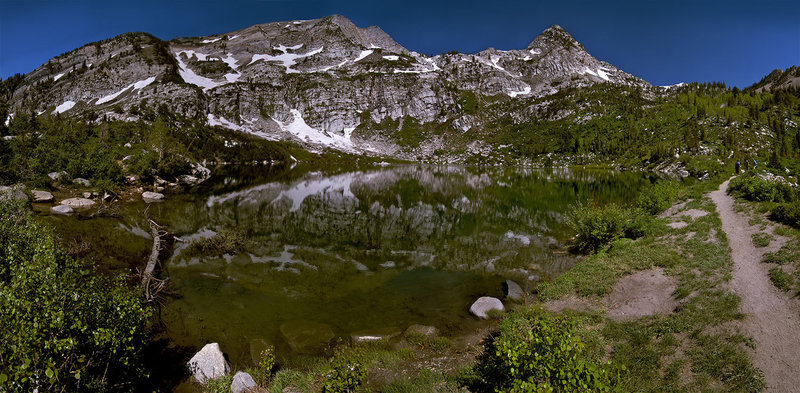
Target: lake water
[366, 250]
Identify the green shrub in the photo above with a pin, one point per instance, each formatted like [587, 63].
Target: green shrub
[787, 213]
[596, 226]
[266, 366]
[219, 385]
[756, 189]
[346, 375]
[658, 197]
[536, 352]
[63, 326]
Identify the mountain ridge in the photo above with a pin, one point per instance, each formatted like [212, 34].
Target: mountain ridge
[324, 82]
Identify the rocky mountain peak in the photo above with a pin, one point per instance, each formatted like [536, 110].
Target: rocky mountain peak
[555, 37]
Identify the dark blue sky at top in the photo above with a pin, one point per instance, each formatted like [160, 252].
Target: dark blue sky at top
[664, 42]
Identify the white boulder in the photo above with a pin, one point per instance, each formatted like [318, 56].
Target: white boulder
[209, 363]
[242, 382]
[484, 304]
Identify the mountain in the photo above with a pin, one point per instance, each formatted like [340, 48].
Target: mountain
[325, 83]
[779, 79]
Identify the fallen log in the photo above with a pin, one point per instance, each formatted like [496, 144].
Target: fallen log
[150, 284]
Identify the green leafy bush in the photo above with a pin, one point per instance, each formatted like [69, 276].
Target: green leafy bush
[787, 213]
[266, 366]
[346, 375]
[756, 189]
[597, 226]
[63, 326]
[537, 352]
[658, 197]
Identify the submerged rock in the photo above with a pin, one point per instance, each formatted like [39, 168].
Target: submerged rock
[42, 196]
[307, 336]
[150, 196]
[425, 330]
[483, 305]
[77, 203]
[61, 209]
[513, 291]
[209, 363]
[242, 382]
[374, 335]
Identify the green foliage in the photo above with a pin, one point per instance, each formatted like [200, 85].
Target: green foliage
[761, 240]
[658, 197]
[723, 358]
[787, 213]
[219, 385]
[266, 367]
[537, 352]
[227, 241]
[62, 324]
[347, 373]
[597, 226]
[756, 189]
[780, 278]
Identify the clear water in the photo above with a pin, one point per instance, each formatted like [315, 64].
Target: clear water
[361, 250]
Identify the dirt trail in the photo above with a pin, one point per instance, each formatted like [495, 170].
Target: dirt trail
[773, 317]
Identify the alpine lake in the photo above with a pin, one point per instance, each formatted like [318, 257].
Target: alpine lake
[328, 255]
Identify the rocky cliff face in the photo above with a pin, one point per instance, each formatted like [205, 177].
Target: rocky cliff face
[324, 82]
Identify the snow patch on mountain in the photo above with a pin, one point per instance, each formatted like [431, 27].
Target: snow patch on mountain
[364, 53]
[306, 133]
[67, 105]
[57, 77]
[211, 40]
[391, 58]
[525, 91]
[136, 86]
[286, 59]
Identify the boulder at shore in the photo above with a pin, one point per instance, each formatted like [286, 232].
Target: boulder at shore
[77, 203]
[15, 193]
[82, 182]
[150, 196]
[242, 382]
[513, 290]
[483, 305]
[209, 363]
[42, 196]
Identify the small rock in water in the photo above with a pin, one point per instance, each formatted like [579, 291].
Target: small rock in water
[242, 382]
[513, 291]
[209, 363]
[425, 330]
[483, 305]
[87, 195]
[82, 182]
[150, 196]
[374, 335]
[78, 202]
[42, 196]
[61, 209]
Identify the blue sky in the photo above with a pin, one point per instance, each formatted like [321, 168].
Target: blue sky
[664, 42]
